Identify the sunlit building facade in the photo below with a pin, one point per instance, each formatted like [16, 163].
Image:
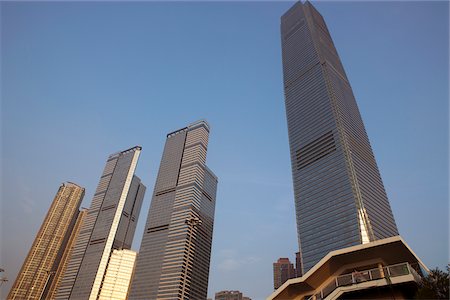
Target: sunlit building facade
[66, 255]
[118, 275]
[340, 199]
[40, 268]
[110, 224]
[174, 257]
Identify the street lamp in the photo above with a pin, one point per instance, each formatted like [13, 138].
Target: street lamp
[191, 223]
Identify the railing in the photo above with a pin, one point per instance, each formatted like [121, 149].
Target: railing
[367, 275]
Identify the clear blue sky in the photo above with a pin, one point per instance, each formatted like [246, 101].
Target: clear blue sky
[83, 80]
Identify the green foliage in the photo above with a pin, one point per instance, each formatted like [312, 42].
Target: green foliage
[435, 285]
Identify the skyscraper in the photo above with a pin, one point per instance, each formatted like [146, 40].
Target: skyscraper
[173, 261]
[340, 199]
[41, 264]
[283, 270]
[66, 255]
[110, 224]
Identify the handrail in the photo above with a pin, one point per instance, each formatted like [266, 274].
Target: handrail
[366, 275]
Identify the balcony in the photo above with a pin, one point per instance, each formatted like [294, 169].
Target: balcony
[354, 280]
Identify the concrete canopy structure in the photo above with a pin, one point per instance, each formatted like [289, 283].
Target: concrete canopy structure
[373, 270]
[340, 199]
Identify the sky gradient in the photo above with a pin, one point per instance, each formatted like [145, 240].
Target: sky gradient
[83, 80]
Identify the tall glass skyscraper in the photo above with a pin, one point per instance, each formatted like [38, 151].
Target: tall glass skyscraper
[40, 269]
[110, 224]
[340, 199]
[173, 261]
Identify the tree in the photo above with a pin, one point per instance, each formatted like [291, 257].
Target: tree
[435, 285]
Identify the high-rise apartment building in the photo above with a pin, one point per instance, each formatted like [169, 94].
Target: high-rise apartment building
[110, 224]
[340, 199]
[40, 268]
[283, 270]
[173, 261]
[66, 255]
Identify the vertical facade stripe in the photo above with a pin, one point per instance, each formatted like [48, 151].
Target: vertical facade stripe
[112, 233]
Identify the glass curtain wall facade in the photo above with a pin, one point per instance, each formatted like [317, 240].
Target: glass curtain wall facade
[110, 224]
[173, 261]
[40, 266]
[340, 199]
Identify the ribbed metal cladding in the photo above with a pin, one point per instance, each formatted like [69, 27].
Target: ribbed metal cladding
[110, 224]
[40, 269]
[340, 199]
[173, 261]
